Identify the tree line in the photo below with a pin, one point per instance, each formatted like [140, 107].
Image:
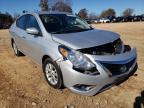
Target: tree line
[83, 13]
[65, 6]
[5, 18]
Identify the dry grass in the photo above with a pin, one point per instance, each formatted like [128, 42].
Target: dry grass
[22, 83]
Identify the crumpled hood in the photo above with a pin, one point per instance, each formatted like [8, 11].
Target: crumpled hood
[85, 39]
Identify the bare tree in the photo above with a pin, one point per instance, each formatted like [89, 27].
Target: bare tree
[68, 2]
[62, 6]
[128, 12]
[107, 13]
[83, 13]
[44, 5]
[111, 12]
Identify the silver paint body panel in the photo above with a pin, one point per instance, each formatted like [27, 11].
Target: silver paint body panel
[86, 39]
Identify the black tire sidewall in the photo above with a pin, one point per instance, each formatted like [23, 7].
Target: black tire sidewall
[18, 52]
[59, 85]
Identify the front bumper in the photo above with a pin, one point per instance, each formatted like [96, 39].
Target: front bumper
[71, 77]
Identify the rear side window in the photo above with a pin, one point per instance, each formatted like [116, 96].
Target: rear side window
[21, 22]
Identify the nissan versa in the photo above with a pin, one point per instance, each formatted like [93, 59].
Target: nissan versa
[72, 53]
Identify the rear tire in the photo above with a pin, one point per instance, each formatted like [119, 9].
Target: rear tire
[52, 74]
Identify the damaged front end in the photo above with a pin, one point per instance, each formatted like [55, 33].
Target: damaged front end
[114, 57]
[112, 48]
[98, 68]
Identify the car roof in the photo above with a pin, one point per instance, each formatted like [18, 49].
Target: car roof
[48, 12]
[37, 13]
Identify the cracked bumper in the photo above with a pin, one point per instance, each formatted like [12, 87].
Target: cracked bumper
[100, 82]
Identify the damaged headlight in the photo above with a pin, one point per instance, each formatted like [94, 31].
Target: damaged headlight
[79, 60]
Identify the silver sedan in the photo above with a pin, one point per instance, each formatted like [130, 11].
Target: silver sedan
[72, 53]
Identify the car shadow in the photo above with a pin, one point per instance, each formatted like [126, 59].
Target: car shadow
[139, 101]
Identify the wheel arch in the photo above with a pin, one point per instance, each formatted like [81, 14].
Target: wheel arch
[45, 57]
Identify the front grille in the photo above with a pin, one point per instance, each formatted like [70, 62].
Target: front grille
[106, 49]
[117, 69]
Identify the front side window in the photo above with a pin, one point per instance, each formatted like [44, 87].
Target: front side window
[21, 22]
[32, 22]
[58, 23]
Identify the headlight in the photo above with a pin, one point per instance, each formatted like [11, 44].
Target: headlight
[79, 60]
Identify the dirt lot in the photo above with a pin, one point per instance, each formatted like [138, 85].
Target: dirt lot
[22, 84]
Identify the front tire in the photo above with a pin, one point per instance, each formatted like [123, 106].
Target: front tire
[16, 51]
[52, 74]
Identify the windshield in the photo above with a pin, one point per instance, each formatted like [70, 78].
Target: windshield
[61, 23]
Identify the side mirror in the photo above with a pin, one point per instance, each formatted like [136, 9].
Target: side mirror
[33, 31]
